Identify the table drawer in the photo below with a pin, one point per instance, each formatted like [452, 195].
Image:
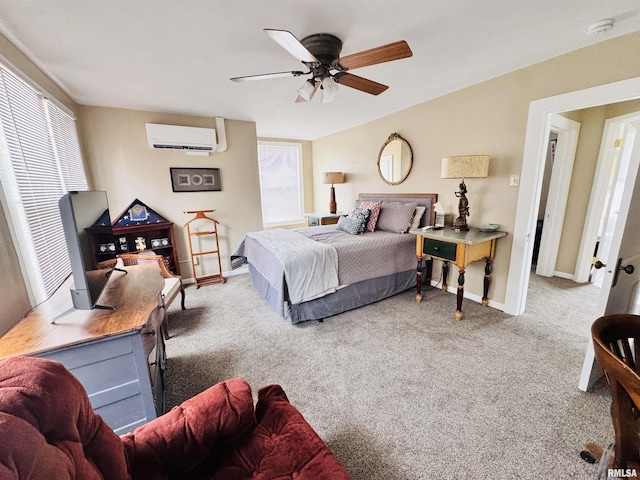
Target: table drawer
[436, 248]
[329, 220]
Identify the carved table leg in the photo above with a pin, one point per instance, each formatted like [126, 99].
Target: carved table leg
[487, 282]
[419, 281]
[460, 294]
[445, 275]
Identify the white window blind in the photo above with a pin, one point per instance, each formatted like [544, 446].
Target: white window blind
[281, 183]
[39, 161]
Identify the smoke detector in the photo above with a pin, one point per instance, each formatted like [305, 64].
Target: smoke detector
[600, 27]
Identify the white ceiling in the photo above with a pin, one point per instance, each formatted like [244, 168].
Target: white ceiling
[178, 56]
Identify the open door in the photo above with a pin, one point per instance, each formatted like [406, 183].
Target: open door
[621, 266]
[558, 195]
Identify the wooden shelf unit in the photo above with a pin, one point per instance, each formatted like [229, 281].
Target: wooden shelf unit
[201, 215]
[152, 233]
[155, 231]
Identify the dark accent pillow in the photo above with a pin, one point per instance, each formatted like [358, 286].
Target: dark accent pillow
[360, 214]
[375, 211]
[396, 216]
[350, 225]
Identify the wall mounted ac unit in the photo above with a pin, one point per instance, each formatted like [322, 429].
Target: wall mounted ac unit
[195, 140]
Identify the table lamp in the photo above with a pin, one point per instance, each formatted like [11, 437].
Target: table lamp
[333, 178]
[464, 166]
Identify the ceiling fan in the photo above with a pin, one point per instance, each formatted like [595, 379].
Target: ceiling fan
[320, 54]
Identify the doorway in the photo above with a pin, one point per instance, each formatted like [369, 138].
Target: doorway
[559, 161]
[533, 170]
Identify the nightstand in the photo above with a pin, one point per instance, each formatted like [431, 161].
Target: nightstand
[461, 249]
[315, 219]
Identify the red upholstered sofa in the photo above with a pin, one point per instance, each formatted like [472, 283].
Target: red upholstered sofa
[48, 430]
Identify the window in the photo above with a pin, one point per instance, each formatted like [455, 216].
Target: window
[40, 160]
[281, 180]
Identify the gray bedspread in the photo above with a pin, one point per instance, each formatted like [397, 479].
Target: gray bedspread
[360, 257]
[310, 268]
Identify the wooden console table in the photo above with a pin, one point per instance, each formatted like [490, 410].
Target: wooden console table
[461, 248]
[118, 356]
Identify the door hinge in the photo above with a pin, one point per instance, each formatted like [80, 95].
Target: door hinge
[619, 142]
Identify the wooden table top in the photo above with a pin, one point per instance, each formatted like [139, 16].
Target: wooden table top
[134, 296]
[471, 237]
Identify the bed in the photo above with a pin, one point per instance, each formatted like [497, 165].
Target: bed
[316, 272]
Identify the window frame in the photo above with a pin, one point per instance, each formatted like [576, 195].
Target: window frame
[53, 114]
[300, 163]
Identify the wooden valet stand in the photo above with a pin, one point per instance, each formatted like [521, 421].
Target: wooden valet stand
[195, 256]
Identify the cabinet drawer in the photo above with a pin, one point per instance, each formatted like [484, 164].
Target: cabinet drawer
[313, 221]
[329, 221]
[439, 249]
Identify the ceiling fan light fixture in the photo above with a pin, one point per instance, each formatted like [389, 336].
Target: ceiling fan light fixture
[329, 90]
[307, 90]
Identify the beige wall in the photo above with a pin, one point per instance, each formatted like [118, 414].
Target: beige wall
[121, 163]
[488, 118]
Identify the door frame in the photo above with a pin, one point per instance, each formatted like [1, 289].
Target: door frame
[561, 170]
[591, 370]
[535, 148]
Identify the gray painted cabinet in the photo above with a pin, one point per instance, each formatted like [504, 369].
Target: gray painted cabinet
[118, 355]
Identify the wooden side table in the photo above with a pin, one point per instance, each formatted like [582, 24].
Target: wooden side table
[461, 248]
[316, 219]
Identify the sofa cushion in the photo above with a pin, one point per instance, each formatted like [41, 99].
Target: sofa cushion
[53, 431]
[200, 428]
[283, 445]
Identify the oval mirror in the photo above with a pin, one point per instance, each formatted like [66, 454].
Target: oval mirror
[395, 160]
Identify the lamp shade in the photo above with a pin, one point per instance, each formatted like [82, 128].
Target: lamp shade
[333, 177]
[465, 166]
[329, 90]
[307, 90]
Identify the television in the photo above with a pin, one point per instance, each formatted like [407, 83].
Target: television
[79, 211]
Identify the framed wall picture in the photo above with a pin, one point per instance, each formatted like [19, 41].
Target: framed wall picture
[195, 179]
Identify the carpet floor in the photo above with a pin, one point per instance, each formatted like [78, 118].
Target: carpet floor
[403, 391]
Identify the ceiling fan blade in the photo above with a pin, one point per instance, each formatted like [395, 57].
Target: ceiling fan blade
[385, 53]
[263, 76]
[291, 44]
[359, 83]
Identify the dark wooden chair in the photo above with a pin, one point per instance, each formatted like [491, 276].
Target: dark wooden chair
[173, 283]
[616, 341]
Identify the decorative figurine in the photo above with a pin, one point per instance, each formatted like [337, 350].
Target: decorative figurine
[460, 223]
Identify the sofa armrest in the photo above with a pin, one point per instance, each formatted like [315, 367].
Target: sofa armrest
[283, 445]
[199, 428]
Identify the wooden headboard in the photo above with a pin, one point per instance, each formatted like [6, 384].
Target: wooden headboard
[426, 200]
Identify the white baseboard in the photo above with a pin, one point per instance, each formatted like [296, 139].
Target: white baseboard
[568, 276]
[226, 274]
[471, 296]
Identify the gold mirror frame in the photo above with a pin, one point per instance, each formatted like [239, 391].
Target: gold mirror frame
[390, 170]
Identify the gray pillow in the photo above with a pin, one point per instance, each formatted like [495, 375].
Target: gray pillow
[396, 216]
[352, 226]
[360, 214]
